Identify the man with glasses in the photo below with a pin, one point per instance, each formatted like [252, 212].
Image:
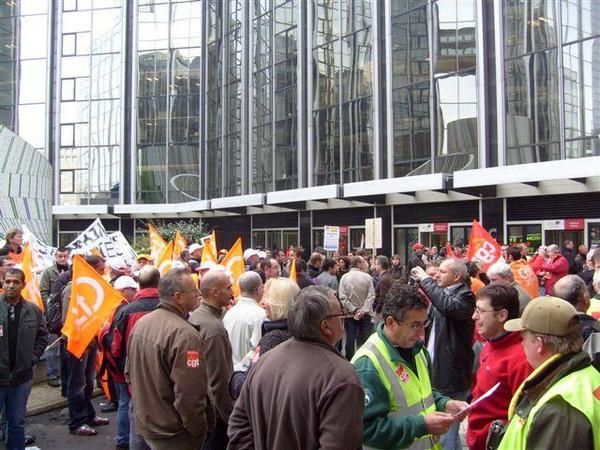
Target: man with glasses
[23, 339]
[401, 407]
[302, 394]
[502, 360]
[449, 340]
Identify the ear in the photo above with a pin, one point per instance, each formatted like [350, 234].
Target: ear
[503, 315]
[325, 330]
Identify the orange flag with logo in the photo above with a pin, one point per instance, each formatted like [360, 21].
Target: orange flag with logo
[526, 277]
[165, 260]
[483, 247]
[180, 244]
[92, 302]
[157, 243]
[234, 263]
[32, 285]
[293, 275]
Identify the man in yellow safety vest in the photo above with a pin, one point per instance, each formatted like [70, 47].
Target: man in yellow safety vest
[402, 410]
[558, 405]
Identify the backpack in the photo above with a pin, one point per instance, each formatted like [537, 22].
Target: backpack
[105, 340]
[54, 320]
[592, 346]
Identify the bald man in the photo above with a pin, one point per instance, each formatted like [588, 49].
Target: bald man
[215, 287]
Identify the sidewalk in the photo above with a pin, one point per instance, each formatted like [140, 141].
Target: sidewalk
[44, 398]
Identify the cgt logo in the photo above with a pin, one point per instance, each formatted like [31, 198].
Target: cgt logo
[193, 359]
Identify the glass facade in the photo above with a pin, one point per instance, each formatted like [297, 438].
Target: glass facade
[89, 118]
[23, 69]
[200, 99]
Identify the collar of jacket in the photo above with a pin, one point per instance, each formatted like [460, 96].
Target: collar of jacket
[212, 310]
[146, 293]
[172, 309]
[549, 373]
[505, 340]
[391, 349]
[320, 344]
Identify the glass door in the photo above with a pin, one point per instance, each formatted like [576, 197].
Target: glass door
[530, 234]
[558, 237]
[460, 232]
[430, 239]
[404, 239]
[594, 235]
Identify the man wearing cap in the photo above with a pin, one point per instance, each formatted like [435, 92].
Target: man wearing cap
[558, 405]
[143, 260]
[416, 260]
[195, 257]
[252, 259]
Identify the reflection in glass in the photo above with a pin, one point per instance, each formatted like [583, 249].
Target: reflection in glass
[529, 26]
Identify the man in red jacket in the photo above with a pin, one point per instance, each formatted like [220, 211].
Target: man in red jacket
[502, 360]
[555, 267]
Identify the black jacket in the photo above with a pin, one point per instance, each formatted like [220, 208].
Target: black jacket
[454, 327]
[32, 340]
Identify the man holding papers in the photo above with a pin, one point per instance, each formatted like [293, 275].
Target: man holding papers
[402, 410]
[502, 360]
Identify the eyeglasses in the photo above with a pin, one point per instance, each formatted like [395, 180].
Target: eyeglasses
[481, 311]
[330, 316]
[416, 325]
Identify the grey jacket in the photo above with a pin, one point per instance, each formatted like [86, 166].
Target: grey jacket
[49, 277]
[356, 292]
[32, 339]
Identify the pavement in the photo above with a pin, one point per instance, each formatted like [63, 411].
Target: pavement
[44, 398]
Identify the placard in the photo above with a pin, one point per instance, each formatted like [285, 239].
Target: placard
[373, 233]
[331, 238]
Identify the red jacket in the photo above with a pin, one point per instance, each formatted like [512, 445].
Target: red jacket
[502, 360]
[555, 270]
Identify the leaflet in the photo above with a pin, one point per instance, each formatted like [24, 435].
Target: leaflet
[489, 393]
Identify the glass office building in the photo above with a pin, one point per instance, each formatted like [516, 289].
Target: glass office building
[274, 118]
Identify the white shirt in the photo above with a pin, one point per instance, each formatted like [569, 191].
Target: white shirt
[243, 324]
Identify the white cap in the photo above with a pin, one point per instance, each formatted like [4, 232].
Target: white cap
[250, 252]
[125, 282]
[261, 254]
[118, 264]
[194, 247]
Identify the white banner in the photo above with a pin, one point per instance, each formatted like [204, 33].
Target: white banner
[42, 253]
[87, 240]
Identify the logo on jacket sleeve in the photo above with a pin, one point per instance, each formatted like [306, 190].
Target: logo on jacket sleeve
[193, 359]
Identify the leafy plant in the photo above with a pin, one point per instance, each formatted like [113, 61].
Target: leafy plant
[191, 231]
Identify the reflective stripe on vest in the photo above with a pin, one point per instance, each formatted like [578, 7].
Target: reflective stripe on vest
[374, 349]
[580, 389]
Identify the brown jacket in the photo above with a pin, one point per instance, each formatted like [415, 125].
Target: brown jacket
[217, 354]
[302, 395]
[166, 369]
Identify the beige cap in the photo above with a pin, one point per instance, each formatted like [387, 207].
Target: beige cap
[545, 315]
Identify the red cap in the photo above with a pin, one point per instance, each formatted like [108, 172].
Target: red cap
[418, 246]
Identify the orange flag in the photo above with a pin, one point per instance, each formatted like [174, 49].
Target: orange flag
[449, 251]
[526, 277]
[293, 275]
[165, 260]
[234, 263]
[483, 247]
[32, 287]
[17, 257]
[157, 243]
[92, 302]
[209, 253]
[180, 244]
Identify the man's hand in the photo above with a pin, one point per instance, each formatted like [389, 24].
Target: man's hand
[438, 422]
[417, 273]
[359, 315]
[455, 406]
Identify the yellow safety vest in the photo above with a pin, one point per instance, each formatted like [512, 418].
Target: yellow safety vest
[410, 394]
[577, 389]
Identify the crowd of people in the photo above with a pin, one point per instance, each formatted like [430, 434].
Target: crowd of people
[332, 351]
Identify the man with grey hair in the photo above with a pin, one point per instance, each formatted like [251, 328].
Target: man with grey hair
[450, 336]
[500, 272]
[166, 367]
[302, 394]
[215, 287]
[572, 289]
[243, 322]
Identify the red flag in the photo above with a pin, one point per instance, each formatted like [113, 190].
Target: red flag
[449, 251]
[483, 247]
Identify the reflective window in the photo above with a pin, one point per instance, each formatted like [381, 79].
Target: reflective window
[90, 109]
[168, 102]
[325, 95]
[410, 90]
[532, 107]
[357, 68]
